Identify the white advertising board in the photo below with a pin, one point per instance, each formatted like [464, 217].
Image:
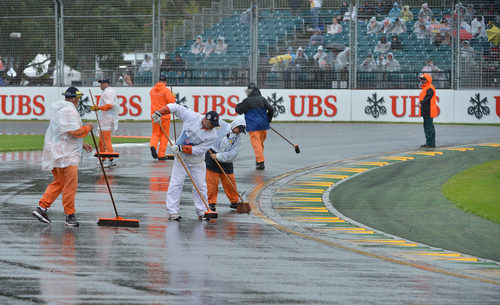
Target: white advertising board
[480, 106]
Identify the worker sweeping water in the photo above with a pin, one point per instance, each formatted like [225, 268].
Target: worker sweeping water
[107, 111]
[224, 151]
[62, 151]
[197, 136]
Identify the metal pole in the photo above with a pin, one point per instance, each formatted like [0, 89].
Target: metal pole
[254, 43]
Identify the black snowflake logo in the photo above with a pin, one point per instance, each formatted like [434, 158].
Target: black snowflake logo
[375, 108]
[83, 107]
[276, 104]
[478, 108]
[180, 100]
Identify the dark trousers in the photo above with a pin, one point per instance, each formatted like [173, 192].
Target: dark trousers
[430, 133]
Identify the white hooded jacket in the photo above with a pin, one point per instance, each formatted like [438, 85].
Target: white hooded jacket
[228, 144]
[60, 149]
[109, 119]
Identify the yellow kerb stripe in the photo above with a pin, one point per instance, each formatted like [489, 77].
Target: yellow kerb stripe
[329, 176]
[318, 191]
[304, 199]
[314, 183]
[348, 169]
[373, 163]
[460, 149]
[490, 144]
[426, 153]
[397, 158]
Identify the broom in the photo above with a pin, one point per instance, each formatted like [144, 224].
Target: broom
[105, 154]
[209, 214]
[117, 221]
[243, 207]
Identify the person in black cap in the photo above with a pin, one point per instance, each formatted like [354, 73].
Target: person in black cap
[62, 151]
[196, 138]
[258, 114]
[107, 109]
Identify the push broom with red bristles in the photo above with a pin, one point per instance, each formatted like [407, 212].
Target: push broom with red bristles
[102, 154]
[243, 207]
[209, 215]
[116, 221]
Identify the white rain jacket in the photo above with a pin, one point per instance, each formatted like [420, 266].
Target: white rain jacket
[228, 144]
[193, 134]
[109, 119]
[60, 149]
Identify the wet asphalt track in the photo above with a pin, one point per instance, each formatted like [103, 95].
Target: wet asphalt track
[241, 259]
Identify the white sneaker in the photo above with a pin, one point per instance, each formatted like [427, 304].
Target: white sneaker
[106, 163]
[174, 216]
[112, 163]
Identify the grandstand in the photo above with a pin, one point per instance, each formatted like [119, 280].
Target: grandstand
[278, 27]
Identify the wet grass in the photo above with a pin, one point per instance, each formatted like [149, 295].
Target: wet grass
[35, 142]
[476, 190]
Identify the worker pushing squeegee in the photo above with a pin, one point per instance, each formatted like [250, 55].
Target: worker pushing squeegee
[197, 136]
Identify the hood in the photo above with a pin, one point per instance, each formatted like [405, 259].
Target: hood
[239, 121]
[427, 77]
[61, 104]
[373, 19]
[159, 86]
[407, 7]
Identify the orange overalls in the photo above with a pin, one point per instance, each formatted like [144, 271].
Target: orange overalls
[160, 97]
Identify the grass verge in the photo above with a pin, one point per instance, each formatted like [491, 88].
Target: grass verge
[35, 142]
[476, 190]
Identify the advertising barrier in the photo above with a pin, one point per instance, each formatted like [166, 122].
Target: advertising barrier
[471, 106]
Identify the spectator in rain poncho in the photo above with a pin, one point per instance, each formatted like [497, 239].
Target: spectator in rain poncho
[467, 53]
[221, 46]
[322, 59]
[391, 64]
[425, 12]
[301, 60]
[394, 12]
[209, 47]
[406, 14]
[147, 64]
[418, 23]
[478, 28]
[369, 64]
[386, 25]
[423, 32]
[374, 26]
[342, 61]
[198, 45]
[397, 27]
[382, 46]
[435, 72]
[335, 27]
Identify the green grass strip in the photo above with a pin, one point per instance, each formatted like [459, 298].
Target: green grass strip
[35, 142]
[477, 190]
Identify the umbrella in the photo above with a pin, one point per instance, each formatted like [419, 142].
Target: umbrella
[464, 35]
[38, 66]
[335, 46]
[494, 35]
[280, 58]
[70, 75]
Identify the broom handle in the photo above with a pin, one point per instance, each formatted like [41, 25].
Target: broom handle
[282, 136]
[187, 171]
[98, 124]
[104, 172]
[227, 177]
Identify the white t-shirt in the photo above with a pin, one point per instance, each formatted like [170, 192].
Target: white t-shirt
[60, 149]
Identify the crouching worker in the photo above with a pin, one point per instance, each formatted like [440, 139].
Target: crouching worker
[107, 111]
[62, 151]
[225, 149]
[197, 136]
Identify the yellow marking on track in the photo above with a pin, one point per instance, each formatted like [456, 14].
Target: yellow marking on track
[397, 158]
[318, 218]
[438, 254]
[426, 153]
[348, 169]
[315, 209]
[373, 163]
[328, 176]
[490, 144]
[389, 241]
[460, 149]
[305, 199]
[313, 220]
[303, 210]
[460, 259]
[318, 191]
[314, 183]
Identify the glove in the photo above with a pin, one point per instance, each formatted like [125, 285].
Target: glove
[156, 117]
[94, 107]
[176, 149]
